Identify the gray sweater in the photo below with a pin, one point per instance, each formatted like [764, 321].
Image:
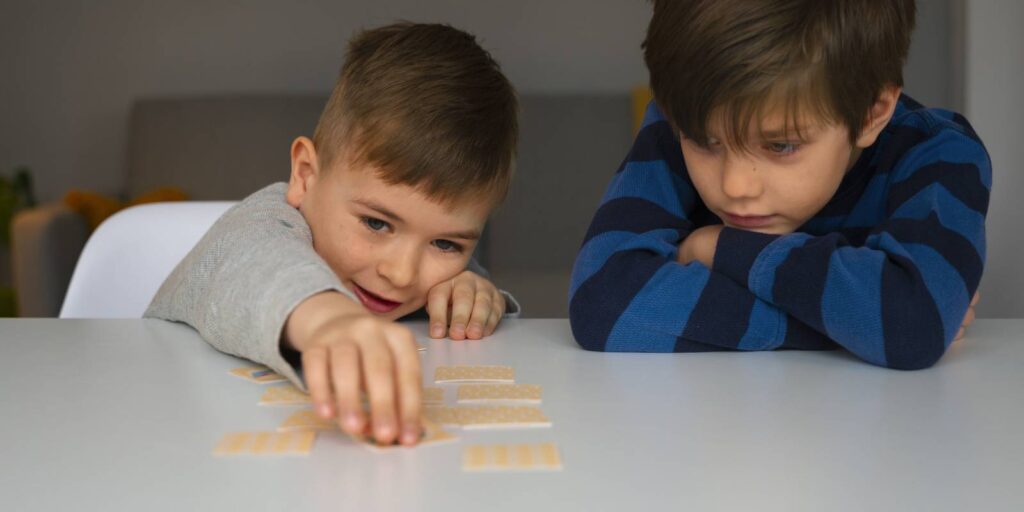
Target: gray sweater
[245, 276]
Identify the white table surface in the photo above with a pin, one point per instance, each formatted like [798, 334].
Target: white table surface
[123, 415]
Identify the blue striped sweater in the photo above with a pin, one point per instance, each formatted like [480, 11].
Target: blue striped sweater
[885, 270]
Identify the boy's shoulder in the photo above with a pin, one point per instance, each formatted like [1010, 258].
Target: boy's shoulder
[917, 134]
[265, 209]
[911, 116]
[268, 198]
[271, 196]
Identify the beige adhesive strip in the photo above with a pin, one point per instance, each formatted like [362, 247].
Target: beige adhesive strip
[512, 457]
[524, 456]
[500, 456]
[522, 393]
[483, 417]
[431, 394]
[302, 442]
[474, 456]
[501, 374]
[233, 443]
[265, 443]
[284, 395]
[261, 443]
[306, 420]
[259, 374]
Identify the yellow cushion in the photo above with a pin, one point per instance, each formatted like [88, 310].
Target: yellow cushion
[97, 207]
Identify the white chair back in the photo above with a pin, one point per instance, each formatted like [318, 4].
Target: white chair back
[131, 254]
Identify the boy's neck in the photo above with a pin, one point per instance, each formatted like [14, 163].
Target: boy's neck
[854, 158]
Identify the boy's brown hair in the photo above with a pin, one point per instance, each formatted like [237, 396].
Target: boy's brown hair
[736, 60]
[426, 105]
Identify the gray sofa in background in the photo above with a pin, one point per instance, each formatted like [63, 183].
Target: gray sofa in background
[223, 148]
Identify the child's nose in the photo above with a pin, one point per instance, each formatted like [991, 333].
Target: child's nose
[399, 267]
[740, 179]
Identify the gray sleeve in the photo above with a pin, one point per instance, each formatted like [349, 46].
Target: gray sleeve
[242, 280]
[512, 307]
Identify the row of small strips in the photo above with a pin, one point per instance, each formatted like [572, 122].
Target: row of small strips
[260, 374]
[502, 374]
[431, 394]
[284, 395]
[256, 443]
[306, 420]
[511, 457]
[499, 392]
[488, 417]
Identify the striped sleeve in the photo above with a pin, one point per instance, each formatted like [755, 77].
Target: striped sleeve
[627, 292]
[898, 298]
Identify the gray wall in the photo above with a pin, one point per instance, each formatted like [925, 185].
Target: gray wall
[934, 71]
[994, 103]
[69, 70]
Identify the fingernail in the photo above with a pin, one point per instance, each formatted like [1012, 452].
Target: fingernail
[384, 433]
[410, 435]
[458, 329]
[437, 330]
[475, 331]
[352, 422]
[324, 410]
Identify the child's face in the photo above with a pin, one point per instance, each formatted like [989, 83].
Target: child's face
[389, 244]
[779, 183]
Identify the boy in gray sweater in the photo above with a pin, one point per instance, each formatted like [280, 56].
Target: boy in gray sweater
[382, 211]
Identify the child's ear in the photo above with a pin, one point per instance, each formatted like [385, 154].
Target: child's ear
[305, 170]
[879, 115]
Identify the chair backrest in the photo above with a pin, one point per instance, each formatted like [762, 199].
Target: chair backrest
[128, 257]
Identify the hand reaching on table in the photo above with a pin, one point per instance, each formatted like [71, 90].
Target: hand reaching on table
[347, 350]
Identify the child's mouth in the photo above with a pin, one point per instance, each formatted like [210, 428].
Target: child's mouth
[373, 302]
[749, 221]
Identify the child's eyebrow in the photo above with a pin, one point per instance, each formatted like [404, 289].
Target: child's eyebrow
[782, 133]
[463, 235]
[379, 209]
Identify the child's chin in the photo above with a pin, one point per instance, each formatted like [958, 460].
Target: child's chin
[766, 230]
[396, 313]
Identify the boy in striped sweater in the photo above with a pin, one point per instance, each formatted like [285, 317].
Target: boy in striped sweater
[783, 193]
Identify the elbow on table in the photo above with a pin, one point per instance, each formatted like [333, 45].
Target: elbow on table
[584, 329]
[915, 361]
[585, 340]
[915, 354]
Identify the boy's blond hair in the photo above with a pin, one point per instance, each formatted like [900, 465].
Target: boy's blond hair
[427, 106]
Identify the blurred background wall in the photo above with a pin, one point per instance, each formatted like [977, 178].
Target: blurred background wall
[69, 72]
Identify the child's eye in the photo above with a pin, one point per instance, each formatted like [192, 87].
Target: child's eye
[712, 145]
[447, 246]
[781, 148]
[374, 224]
